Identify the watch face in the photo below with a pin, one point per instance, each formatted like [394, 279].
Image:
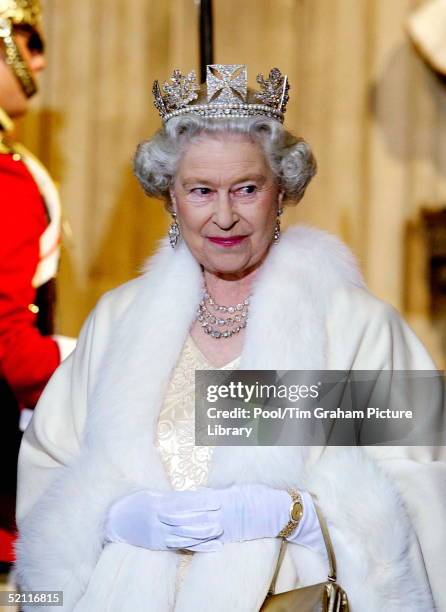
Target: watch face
[296, 511]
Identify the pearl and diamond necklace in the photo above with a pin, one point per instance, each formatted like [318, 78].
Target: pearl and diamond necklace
[210, 315]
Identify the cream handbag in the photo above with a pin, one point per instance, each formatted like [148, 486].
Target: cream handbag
[323, 597]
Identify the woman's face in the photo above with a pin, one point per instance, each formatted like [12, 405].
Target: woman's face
[226, 198]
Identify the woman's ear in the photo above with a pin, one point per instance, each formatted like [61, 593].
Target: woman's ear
[280, 198]
[171, 205]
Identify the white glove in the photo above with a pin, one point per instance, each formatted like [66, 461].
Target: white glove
[243, 512]
[246, 512]
[251, 511]
[309, 533]
[134, 519]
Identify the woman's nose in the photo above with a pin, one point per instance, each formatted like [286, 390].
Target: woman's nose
[224, 215]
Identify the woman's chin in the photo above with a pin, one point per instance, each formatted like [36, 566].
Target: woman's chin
[237, 261]
[226, 266]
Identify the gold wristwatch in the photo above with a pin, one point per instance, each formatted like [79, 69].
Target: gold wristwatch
[296, 513]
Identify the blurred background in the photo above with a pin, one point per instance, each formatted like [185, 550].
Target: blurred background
[361, 95]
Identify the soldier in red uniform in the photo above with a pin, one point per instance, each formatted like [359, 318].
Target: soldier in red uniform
[29, 253]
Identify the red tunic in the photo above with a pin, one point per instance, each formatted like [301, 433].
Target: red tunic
[27, 358]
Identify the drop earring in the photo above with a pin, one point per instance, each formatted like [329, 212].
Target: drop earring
[277, 227]
[174, 231]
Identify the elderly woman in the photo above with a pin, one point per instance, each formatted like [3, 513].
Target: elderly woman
[116, 505]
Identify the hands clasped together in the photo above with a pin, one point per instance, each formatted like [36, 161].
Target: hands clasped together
[205, 519]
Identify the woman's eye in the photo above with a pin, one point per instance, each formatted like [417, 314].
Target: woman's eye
[201, 191]
[247, 190]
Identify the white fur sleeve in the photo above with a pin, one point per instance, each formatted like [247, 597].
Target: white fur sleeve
[51, 480]
[385, 506]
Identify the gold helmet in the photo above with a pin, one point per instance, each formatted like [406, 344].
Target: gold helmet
[19, 13]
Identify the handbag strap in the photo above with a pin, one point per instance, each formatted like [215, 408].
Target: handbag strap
[328, 546]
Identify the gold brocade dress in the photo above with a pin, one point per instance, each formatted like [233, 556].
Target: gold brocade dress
[186, 465]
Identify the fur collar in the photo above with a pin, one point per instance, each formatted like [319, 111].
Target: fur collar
[150, 322]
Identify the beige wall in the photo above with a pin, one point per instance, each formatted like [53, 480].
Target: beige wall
[374, 114]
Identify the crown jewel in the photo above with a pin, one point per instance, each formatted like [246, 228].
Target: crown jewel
[225, 94]
[226, 84]
[274, 89]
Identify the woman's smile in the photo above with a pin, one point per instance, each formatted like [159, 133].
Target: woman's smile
[226, 242]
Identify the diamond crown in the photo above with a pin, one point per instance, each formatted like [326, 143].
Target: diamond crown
[225, 94]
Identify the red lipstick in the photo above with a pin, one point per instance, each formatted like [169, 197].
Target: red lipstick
[227, 241]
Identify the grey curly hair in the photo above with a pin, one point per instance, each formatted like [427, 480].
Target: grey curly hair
[290, 158]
